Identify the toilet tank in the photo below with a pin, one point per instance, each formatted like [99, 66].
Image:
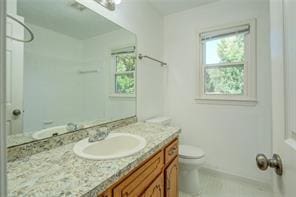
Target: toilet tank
[165, 121]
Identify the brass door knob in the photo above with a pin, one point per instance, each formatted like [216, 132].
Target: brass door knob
[263, 163]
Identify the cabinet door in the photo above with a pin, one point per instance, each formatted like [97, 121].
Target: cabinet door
[171, 179]
[156, 189]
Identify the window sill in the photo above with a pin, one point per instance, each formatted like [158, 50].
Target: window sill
[234, 102]
[122, 96]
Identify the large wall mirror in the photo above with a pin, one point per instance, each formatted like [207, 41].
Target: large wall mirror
[79, 71]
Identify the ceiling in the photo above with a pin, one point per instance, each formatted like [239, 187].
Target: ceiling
[166, 7]
[60, 16]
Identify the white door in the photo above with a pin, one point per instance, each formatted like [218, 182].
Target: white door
[14, 77]
[283, 56]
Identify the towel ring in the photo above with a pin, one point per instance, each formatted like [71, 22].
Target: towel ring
[25, 27]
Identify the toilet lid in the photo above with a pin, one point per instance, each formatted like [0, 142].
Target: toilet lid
[190, 152]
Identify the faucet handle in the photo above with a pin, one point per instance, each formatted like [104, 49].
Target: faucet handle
[98, 134]
[70, 126]
[92, 133]
[73, 126]
[104, 130]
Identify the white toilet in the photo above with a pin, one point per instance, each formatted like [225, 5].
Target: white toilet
[191, 158]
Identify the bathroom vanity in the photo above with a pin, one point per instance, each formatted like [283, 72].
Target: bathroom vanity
[156, 176]
[60, 172]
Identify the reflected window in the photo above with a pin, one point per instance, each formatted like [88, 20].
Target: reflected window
[125, 71]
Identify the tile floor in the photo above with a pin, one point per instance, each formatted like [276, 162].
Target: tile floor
[217, 186]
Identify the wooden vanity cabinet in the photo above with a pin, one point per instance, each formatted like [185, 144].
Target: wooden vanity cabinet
[156, 177]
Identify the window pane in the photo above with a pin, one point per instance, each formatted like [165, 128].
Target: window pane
[125, 62]
[124, 83]
[224, 80]
[225, 50]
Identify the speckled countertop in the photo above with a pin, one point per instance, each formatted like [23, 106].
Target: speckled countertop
[59, 172]
[16, 139]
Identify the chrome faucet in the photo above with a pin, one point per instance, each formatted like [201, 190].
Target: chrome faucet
[72, 126]
[98, 134]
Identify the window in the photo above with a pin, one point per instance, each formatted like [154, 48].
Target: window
[124, 71]
[227, 69]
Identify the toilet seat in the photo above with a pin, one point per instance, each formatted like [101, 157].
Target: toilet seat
[190, 152]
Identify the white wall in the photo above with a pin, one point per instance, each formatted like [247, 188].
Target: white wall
[11, 7]
[230, 135]
[141, 19]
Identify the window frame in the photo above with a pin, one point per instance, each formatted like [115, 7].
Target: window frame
[249, 96]
[114, 72]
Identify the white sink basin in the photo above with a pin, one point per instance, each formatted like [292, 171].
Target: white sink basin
[49, 132]
[116, 145]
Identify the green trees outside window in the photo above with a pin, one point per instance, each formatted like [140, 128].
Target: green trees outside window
[125, 73]
[227, 76]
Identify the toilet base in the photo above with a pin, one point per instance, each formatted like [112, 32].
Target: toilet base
[189, 180]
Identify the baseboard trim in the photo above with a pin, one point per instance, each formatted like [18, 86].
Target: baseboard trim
[221, 174]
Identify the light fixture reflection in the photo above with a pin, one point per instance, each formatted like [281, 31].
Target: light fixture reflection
[109, 4]
[117, 2]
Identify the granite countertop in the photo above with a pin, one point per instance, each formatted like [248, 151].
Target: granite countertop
[59, 172]
[20, 138]
[16, 139]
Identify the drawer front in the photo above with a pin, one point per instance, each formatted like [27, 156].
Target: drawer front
[140, 180]
[156, 189]
[171, 151]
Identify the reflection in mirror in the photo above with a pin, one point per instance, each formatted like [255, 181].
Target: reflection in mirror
[78, 72]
